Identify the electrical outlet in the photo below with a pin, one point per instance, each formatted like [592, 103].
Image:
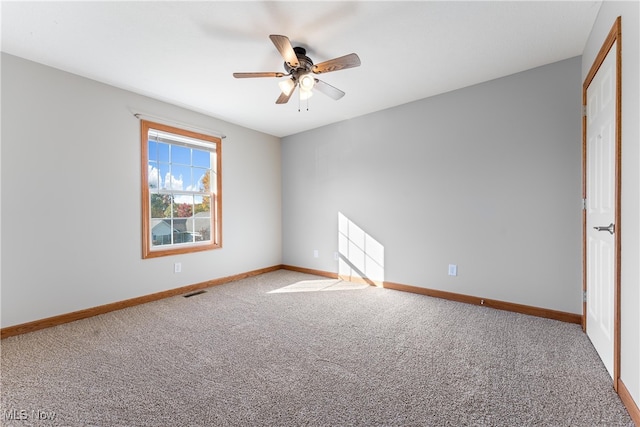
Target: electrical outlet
[315, 253]
[336, 256]
[453, 269]
[177, 267]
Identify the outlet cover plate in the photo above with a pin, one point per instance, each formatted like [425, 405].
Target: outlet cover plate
[453, 269]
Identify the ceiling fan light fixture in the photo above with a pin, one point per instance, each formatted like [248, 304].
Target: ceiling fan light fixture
[305, 94]
[287, 86]
[306, 82]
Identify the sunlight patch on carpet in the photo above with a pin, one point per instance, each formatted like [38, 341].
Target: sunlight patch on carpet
[320, 286]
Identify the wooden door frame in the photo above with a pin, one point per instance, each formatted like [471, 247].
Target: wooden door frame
[614, 36]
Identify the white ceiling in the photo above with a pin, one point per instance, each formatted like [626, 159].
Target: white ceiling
[185, 52]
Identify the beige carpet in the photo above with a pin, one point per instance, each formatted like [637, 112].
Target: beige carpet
[289, 349]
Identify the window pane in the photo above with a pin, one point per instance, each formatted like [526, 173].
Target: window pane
[173, 179]
[183, 206]
[152, 149]
[181, 178]
[160, 232]
[201, 227]
[160, 205]
[201, 205]
[201, 158]
[180, 233]
[153, 175]
[180, 155]
[163, 152]
[164, 176]
[200, 178]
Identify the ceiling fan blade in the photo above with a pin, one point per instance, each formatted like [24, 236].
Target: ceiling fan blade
[284, 98]
[249, 75]
[283, 45]
[336, 64]
[328, 90]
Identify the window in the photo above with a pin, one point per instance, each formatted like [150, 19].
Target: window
[181, 189]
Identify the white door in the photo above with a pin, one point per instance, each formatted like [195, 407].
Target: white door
[600, 206]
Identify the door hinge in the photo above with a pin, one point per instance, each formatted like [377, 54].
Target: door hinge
[584, 204]
[584, 296]
[584, 111]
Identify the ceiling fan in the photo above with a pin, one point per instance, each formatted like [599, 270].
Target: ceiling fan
[301, 69]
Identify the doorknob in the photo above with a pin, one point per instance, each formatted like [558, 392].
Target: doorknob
[611, 228]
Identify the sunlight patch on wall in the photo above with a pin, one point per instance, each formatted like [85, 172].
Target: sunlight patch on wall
[361, 257]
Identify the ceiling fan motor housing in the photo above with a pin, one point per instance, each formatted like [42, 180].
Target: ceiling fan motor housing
[304, 63]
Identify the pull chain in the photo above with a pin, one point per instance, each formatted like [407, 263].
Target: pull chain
[299, 100]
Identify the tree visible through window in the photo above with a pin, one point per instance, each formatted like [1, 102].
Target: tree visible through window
[181, 185]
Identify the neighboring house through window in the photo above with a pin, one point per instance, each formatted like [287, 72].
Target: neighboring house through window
[181, 189]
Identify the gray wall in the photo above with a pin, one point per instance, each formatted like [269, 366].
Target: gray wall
[630, 227]
[71, 233]
[487, 177]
